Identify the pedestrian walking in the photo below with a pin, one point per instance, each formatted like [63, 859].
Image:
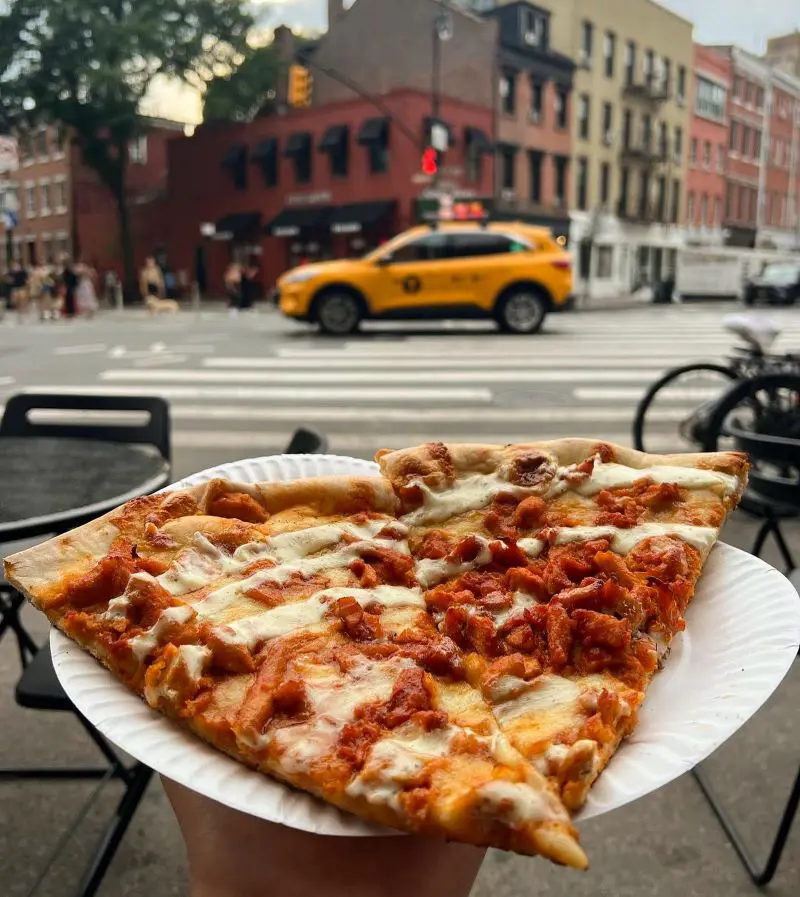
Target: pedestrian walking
[85, 292]
[151, 284]
[233, 287]
[69, 285]
[250, 286]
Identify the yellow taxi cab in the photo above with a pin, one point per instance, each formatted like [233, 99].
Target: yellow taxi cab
[511, 272]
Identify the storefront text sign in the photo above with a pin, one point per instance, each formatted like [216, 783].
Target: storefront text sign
[309, 199]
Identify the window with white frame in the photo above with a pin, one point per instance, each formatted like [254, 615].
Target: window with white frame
[44, 197]
[31, 209]
[137, 150]
[60, 190]
[605, 261]
[710, 99]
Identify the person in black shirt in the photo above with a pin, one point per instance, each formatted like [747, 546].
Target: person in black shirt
[69, 280]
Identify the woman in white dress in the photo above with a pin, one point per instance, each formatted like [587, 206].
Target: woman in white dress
[85, 294]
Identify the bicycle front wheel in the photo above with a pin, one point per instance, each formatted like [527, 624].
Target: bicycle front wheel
[671, 416]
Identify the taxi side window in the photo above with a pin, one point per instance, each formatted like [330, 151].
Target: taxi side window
[472, 245]
[425, 249]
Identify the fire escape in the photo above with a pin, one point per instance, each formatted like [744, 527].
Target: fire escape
[645, 148]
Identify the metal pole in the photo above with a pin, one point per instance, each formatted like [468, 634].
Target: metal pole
[436, 87]
[118, 297]
[764, 161]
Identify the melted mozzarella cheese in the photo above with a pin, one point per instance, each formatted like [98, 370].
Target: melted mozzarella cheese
[286, 618]
[614, 476]
[624, 541]
[429, 572]
[467, 494]
[517, 802]
[118, 607]
[543, 694]
[143, 644]
[194, 658]
[397, 761]
[333, 699]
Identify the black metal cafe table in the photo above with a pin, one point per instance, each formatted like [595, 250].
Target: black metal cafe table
[49, 485]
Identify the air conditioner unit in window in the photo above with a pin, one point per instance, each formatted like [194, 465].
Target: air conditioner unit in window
[508, 194]
[532, 38]
[608, 138]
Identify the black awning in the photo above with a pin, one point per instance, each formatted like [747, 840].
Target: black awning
[235, 155]
[334, 138]
[430, 121]
[374, 132]
[265, 151]
[477, 140]
[351, 218]
[238, 223]
[298, 144]
[291, 222]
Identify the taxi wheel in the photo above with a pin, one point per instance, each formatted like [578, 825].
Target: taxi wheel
[522, 311]
[337, 313]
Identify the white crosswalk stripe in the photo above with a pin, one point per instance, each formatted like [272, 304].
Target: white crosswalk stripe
[583, 377]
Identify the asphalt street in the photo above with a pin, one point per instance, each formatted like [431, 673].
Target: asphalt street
[237, 388]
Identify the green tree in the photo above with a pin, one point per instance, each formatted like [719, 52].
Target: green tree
[86, 65]
[240, 95]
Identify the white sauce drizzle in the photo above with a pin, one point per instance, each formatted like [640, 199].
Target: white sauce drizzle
[430, 572]
[624, 541]
[286, 618]
[143, 644]
[614, 476]
[467, 494]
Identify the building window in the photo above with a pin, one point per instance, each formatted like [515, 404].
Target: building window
[675, 211]
[730, 202]
[474, 157]
[717, 211]
[667, 75]
[582, 183]
[30, 200]
[47, 249]
[737, 87]
[624, 190]
[721, 153]
[537, 100]
[704, 210]
[42, 144]
[508, 92]
[608, 124]
[534, 29]
[710, 99]
[663, 141]
[605, 183]
[587, 41]
[649, 66]
[693, 152]
[137, 150]
[661, 198]
[741, 203]
[627, 127]
[680, 87]
[561, 163]
[609, 53]
[707, 155]
[303, 167]
[690, 207]
[753, 205]
[605, 260]
[61, 196]
[584, 113]
[561, 107]
[44, 197]
[734, 137]
[630, 62]
[535, 172]
[647, 132]
[508, 158]
[678, 144]
[644, 195]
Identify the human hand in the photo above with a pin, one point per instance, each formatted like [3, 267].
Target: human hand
[232, 854]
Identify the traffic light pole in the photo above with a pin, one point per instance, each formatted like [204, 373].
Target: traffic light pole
[436, 87]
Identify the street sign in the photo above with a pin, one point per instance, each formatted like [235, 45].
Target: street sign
[440, 136]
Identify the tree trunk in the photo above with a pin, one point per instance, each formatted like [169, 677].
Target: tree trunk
[126, 244]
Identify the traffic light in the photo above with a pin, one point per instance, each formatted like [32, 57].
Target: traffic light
[301, 84]
[430, 161]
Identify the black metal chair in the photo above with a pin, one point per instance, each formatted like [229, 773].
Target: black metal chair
[307, 441]
[775, 478]
[131, 420]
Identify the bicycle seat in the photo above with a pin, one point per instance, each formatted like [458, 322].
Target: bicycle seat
[757, 331]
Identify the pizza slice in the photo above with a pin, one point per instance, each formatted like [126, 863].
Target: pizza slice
[283, 623]
[563, 571]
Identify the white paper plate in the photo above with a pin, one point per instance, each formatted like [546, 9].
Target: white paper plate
[743, 630]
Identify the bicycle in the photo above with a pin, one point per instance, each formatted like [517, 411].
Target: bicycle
[768, 398]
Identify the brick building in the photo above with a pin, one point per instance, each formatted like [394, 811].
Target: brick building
[64, 208]
[763, 161]
[708, 148]
[327, 182]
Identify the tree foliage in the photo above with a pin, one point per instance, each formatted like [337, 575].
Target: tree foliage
[86, 65]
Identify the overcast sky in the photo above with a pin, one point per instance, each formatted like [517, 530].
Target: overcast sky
[744, 22]
[747, 23]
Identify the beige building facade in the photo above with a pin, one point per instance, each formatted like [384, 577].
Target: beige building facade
[630, 123]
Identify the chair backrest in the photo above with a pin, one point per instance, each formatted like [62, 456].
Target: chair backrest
[143, 420]
[307, 441]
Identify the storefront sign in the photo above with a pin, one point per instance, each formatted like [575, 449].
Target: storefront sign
[346, 227]
[308, 199]
[285, 231]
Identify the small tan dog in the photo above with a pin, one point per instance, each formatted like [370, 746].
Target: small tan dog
[158, 306]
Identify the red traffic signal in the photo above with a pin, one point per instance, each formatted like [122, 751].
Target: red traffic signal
[430, 161]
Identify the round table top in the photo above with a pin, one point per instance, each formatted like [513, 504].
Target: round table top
[48, 486]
